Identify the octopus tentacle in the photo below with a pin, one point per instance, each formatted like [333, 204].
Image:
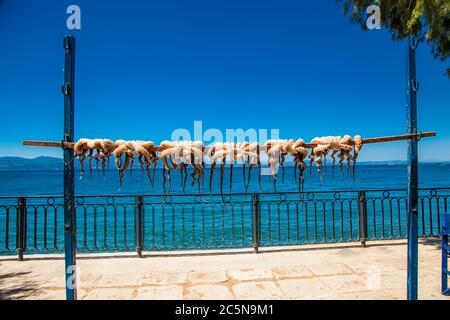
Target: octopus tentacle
[259, 166]
[250, 166]
[211, 172]
[222, 171]
[283, 159]
[181, 177]
[358, 146]
[231, 174]
[80, 149]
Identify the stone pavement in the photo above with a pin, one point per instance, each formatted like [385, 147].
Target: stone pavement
[331, 271]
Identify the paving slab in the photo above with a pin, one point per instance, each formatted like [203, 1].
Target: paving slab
[115, 280]
[250, 274]
[163, 278]
[306, 289]
[208, 292]
[207, 277]
[296, 272]
[347, 283]
[257, 291]
[109, 294]
[329, 267]
[366, 295]
[172, 292]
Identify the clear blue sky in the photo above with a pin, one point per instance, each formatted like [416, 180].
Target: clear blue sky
[145, 68]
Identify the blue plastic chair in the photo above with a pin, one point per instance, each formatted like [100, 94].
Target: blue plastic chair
[445, 221]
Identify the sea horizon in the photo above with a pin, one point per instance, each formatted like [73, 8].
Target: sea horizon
[382, 176]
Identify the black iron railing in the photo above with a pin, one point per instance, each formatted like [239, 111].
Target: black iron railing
[211, 221]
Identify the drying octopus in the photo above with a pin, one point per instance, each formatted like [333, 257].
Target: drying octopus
[181, 154]
[245, 152]
[342, 146]
[144, 150]
[277, 150]
[86, 148]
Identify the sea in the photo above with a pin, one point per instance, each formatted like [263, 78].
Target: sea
[33, 183]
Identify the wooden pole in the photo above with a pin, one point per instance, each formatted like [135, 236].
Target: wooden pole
[69, 145]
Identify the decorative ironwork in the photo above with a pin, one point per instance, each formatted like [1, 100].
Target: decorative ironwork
[108, 223]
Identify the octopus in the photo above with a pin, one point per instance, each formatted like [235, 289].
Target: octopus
[149, 146]
[248, 154]
[346, 145]
[141, 149]
[181, 154]
[299, 153]
[253, 159]
[81, 150]
[216, 153]
[234, 152]
[342, 146]
[220, 153]
[320, 152]
[104, 154]
[95, 149]
[277, 150]
[272, 148]
[358, 143]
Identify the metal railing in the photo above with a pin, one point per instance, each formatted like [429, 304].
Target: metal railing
[211, 221]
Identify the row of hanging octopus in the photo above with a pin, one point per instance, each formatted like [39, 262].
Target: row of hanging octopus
[182, 155]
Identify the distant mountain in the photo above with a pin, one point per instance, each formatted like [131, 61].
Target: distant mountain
[384, 163]
[401, 162]
[50, 163]
[40, 163]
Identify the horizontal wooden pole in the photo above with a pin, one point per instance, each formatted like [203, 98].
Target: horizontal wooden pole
[50, 144]
[401, 137]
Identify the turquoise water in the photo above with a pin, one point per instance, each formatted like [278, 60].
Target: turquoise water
[183, 222]
[26, 183]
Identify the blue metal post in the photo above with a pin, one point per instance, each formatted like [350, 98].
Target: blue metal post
[412, 89]
[445, 221]
[69, 181]
[445, 254]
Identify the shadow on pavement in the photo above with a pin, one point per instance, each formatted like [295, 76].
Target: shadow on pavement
[11, 288]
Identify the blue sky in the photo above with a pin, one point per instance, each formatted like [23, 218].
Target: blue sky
[145, 68]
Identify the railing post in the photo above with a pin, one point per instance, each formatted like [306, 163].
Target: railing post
[139, 226]
[21, 216]
[362, 210]
[256, 209]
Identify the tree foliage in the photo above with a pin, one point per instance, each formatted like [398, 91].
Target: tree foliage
[428, 20]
